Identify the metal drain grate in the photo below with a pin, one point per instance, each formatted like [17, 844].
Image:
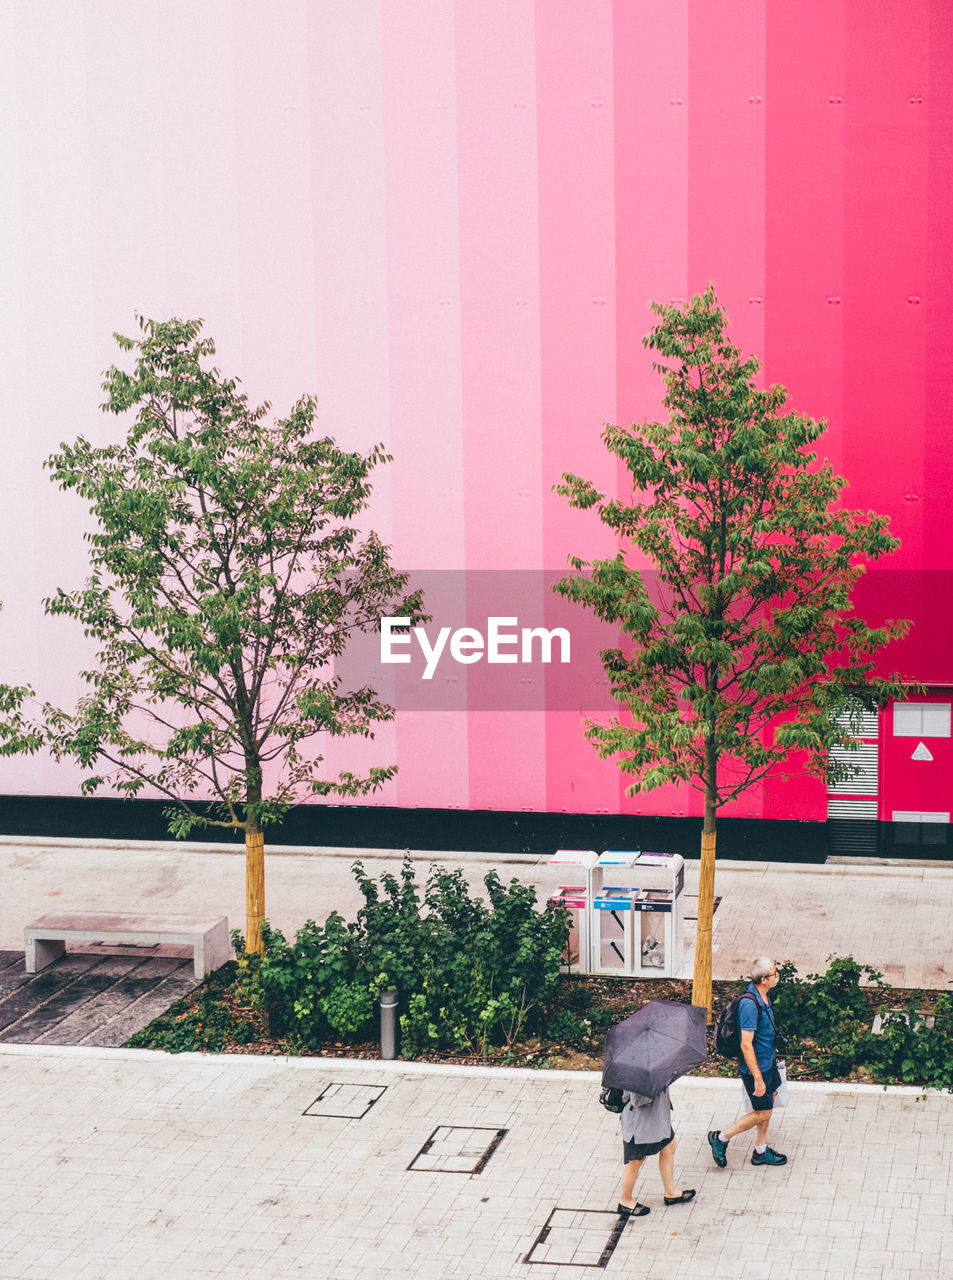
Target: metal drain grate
[346, 1101]
[577, 1238]
[457, 1149]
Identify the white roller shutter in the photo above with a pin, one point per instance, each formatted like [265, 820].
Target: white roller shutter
[921, 719]
[863, 761]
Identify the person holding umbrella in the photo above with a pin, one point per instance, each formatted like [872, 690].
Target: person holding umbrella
[642, 1120]
[645, 1053]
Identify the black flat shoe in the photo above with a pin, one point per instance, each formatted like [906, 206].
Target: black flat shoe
[682, 1199]
[637, 1211]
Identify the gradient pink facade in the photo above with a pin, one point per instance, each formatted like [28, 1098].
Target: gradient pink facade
[447, 218]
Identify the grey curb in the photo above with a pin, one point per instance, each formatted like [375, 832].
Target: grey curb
[274, 850]
[258, 1061]
[911, 869]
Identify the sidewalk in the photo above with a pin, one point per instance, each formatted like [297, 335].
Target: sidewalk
[893, 917]
[124, 1165]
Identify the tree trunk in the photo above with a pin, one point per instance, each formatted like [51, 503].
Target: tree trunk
[254, 854]
[701, 978]
[254, 888]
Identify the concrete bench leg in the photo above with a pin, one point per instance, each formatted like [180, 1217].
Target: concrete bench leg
[42, 951]
[212, 951]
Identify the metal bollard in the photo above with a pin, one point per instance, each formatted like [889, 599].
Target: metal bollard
[388, 1024]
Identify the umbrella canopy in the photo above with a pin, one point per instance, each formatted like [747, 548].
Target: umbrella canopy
[655, 1045]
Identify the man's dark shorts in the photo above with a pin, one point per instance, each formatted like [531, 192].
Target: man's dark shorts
[772, 1082]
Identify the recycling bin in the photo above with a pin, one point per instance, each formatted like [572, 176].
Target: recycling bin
[576, 899]
[613, 931]
[633, 926]
[660, 911]
[652, 907]
[615, 869]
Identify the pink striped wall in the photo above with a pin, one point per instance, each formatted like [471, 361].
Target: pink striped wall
[575, 137]
[500, 323]
[447, 220]
[652, 176]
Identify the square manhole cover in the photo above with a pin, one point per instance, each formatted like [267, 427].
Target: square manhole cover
[457, 1149]
[577, 1238]
[346, 1101]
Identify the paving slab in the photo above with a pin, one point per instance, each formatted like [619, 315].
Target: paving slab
[128, 1162]
[894, 917]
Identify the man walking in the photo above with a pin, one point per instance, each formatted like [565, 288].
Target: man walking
[758, 1066]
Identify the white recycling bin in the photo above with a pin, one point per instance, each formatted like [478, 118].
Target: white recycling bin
[613, 931]
[615, 869]
[659, 907]
[632, 926]
[576, 899]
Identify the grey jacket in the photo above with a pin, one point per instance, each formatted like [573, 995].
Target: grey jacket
[649, 1122]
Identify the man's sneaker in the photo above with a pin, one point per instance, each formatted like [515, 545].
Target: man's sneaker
[719, 1149]
[769, 1156]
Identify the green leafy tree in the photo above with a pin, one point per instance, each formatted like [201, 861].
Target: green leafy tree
[740, 656]
[227, 576]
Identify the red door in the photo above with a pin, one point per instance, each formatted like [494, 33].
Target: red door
[918, 759]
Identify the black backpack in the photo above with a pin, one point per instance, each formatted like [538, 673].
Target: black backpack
[727, 1030]
[611, 1099]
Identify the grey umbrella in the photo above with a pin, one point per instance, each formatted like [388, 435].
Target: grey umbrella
[655, 1045]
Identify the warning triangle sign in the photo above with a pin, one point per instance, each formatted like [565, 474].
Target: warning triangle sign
[922, 753]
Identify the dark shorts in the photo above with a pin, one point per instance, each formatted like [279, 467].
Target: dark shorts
[639, 1150]
[772, 1082]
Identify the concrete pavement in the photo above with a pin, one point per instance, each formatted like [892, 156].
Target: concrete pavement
[121, 1164]
[124, 1164]
[894, 917]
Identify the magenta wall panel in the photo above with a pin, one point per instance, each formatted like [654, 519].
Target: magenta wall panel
[886, 257]
[577, 268]
[935, 614]
[804, 254]
[804, 212]
[499, 298]
[726, 185]
[651, 59]
[447, 220]
[421, 300]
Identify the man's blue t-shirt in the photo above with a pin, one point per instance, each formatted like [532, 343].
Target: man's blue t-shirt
[762, 1026]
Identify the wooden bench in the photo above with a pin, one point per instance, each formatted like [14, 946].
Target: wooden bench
[45, 939]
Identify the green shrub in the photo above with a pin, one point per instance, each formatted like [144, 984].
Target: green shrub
[470, 972]
[822, 1007]
[909, 1050]
[567, 1028]
[206, 1021]
[310, 989]
[839, 1054]
[827, 1021]
[575, 994]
